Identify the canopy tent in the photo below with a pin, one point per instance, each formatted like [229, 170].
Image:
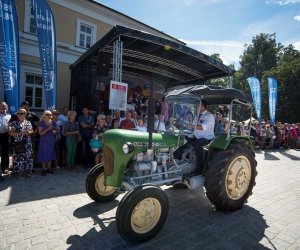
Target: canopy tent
[213, 95]
[166, 62]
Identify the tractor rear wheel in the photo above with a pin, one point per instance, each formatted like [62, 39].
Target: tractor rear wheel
[230, 177]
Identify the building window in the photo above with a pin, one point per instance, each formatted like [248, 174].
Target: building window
[29, 19]
[34, 90]
[86, 34]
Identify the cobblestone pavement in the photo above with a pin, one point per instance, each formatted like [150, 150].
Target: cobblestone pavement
[54, 212]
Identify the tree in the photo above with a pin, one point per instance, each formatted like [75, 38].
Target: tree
[258, 57]
[263, 54]
[223, 81]
[287, 74]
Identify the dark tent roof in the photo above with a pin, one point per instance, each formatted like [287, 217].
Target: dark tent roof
[157, 58]
[211, 94]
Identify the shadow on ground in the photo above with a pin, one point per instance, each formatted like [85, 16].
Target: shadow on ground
[292, 157]
[62, 183]
[269, 157]
[192, 223]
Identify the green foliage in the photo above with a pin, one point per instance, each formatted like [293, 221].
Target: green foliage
[287, 74]
[223, 81]
[264, 58]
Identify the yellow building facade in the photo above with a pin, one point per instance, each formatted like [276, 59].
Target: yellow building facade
[79, 24]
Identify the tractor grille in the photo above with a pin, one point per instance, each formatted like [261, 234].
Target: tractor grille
[108, 161]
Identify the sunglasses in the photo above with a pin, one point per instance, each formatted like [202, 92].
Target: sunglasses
[48, 114]
[20, 113]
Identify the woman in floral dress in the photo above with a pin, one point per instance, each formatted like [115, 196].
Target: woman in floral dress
[21, 130]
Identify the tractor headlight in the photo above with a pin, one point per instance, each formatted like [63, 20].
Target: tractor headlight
[127, 147]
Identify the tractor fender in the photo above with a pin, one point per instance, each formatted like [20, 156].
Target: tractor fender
[223, 141]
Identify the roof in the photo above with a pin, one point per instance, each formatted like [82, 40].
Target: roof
[213, 95]
[157, 58]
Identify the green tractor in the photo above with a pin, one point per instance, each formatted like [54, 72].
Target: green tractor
[140, 163]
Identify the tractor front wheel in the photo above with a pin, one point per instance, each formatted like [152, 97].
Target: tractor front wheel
[142, 213]
[95, 185]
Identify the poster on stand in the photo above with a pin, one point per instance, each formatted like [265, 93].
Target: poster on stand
[118, 95]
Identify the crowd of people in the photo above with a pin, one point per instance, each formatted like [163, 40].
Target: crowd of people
[265, 135]
[52, 140]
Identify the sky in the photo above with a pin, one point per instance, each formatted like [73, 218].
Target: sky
[217, 26]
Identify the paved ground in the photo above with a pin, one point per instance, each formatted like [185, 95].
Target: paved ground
[54, 212]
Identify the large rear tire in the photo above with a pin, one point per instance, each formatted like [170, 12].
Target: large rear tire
[95, 187]
[230, 177]
[142, 213]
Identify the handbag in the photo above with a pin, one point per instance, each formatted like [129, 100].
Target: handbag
[19, 147]
[95, 145]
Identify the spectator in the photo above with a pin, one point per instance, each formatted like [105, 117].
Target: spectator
[159, 124]
[86, 126]
[99, 130]
[219, 128]
[33, 119]
[158, 106]
[270, 137]
[108, 120]
[171, 124]
[298, 135]
[165, 109]
[140, 126]
[127, 123]
[277, 136]
[134, 118]
[4, 138]
[263, 136]
[21, 130]
[62, 119]
[71, 132]
[55, 164]
[293, 135]
[130, 106]
[144, 108]
[47, 131]
[242, 128]
[117, 115]
[232, 129]
[137, 104]
[115, 123]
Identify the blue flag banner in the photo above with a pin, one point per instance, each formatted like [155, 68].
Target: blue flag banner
[9, 53]
[47, 45]
[272, 84]
[256, 95]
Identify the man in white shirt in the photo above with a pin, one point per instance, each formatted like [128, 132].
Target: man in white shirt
[159, 124]
[4, 137]
[203, 126]
[140, 126]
